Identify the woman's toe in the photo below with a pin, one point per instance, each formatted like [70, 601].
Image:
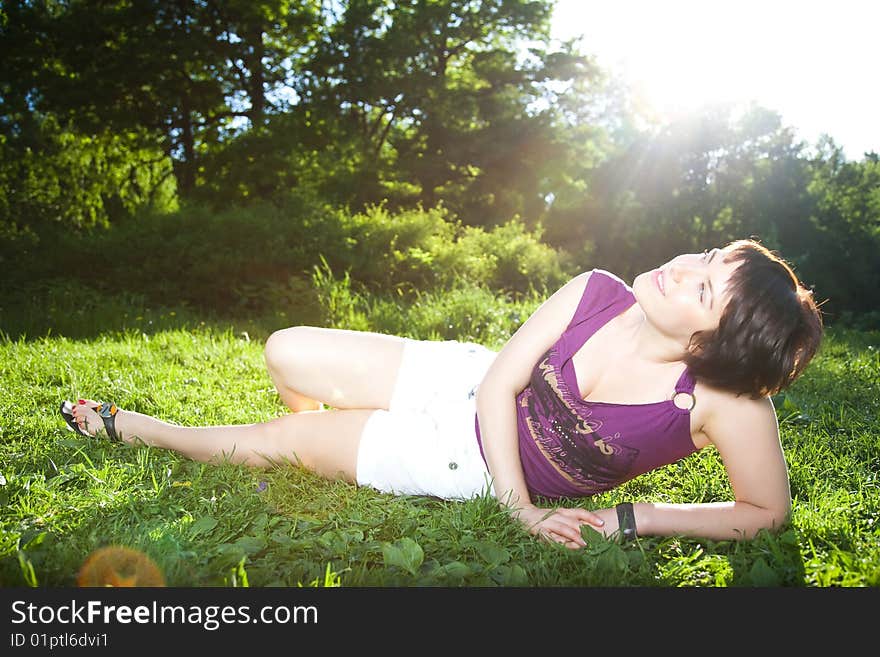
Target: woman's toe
[85, 416]
[79, 405]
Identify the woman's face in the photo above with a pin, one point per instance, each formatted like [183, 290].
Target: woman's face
[687, 294]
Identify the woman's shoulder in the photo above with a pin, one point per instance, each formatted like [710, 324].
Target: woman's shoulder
[600, 290]
[725, 414]
[725, 403]
[610, 279]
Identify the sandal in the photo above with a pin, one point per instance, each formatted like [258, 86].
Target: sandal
[106, 411]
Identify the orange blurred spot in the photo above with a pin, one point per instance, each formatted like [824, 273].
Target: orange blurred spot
[120, 567]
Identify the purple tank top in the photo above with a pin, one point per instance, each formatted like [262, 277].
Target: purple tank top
[570, 447]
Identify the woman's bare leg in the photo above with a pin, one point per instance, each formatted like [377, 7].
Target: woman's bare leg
[324, 442]
[353, 371]
[341, 368]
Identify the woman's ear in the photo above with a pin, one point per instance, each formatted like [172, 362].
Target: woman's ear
[695, 346]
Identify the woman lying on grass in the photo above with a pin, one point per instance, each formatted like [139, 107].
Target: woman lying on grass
[602, 383]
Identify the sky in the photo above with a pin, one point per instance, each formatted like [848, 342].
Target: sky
[815, 63]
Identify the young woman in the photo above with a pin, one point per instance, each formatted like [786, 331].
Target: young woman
[602, 383]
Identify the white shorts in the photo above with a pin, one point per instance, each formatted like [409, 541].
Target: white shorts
[426, 444]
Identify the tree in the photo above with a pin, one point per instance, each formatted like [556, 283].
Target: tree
[52, 176]
[181, 73]
[842, 258]
[444, 100]
[689, 185]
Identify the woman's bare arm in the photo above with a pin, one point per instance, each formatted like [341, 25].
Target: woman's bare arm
[746, 434]
[496, 411]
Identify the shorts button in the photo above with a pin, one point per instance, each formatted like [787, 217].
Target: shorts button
[453, 465]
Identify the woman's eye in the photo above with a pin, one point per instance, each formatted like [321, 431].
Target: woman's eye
[702, 288]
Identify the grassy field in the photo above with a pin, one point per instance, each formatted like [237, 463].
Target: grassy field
[63, 496]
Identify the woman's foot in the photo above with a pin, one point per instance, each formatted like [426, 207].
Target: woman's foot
[87, 419]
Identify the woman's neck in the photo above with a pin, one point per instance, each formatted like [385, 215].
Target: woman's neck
[650, 345]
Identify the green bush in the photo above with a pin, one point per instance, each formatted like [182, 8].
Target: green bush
[424, 249]
[259, 259]
[416, 272]
[463, 312]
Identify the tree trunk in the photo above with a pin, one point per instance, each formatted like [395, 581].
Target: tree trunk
[256, 81]
[187, 178]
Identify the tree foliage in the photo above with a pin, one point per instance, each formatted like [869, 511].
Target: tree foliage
[111, 106]
[54, 176]
[718, 176]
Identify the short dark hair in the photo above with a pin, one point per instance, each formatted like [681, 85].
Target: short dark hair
[769, 331]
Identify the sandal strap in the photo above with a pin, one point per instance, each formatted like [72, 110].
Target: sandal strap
[108, 411]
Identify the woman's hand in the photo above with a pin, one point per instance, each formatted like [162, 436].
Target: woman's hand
[562, 525]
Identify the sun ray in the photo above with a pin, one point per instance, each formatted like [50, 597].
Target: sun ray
[808, 61]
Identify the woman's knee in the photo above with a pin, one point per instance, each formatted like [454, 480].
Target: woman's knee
[283, 346]
[341, 368]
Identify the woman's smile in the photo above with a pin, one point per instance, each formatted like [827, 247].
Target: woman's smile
[658, 281]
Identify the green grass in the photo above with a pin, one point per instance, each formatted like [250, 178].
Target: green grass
[63, 496]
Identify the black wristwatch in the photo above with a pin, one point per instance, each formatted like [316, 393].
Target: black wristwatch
[626, 521]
